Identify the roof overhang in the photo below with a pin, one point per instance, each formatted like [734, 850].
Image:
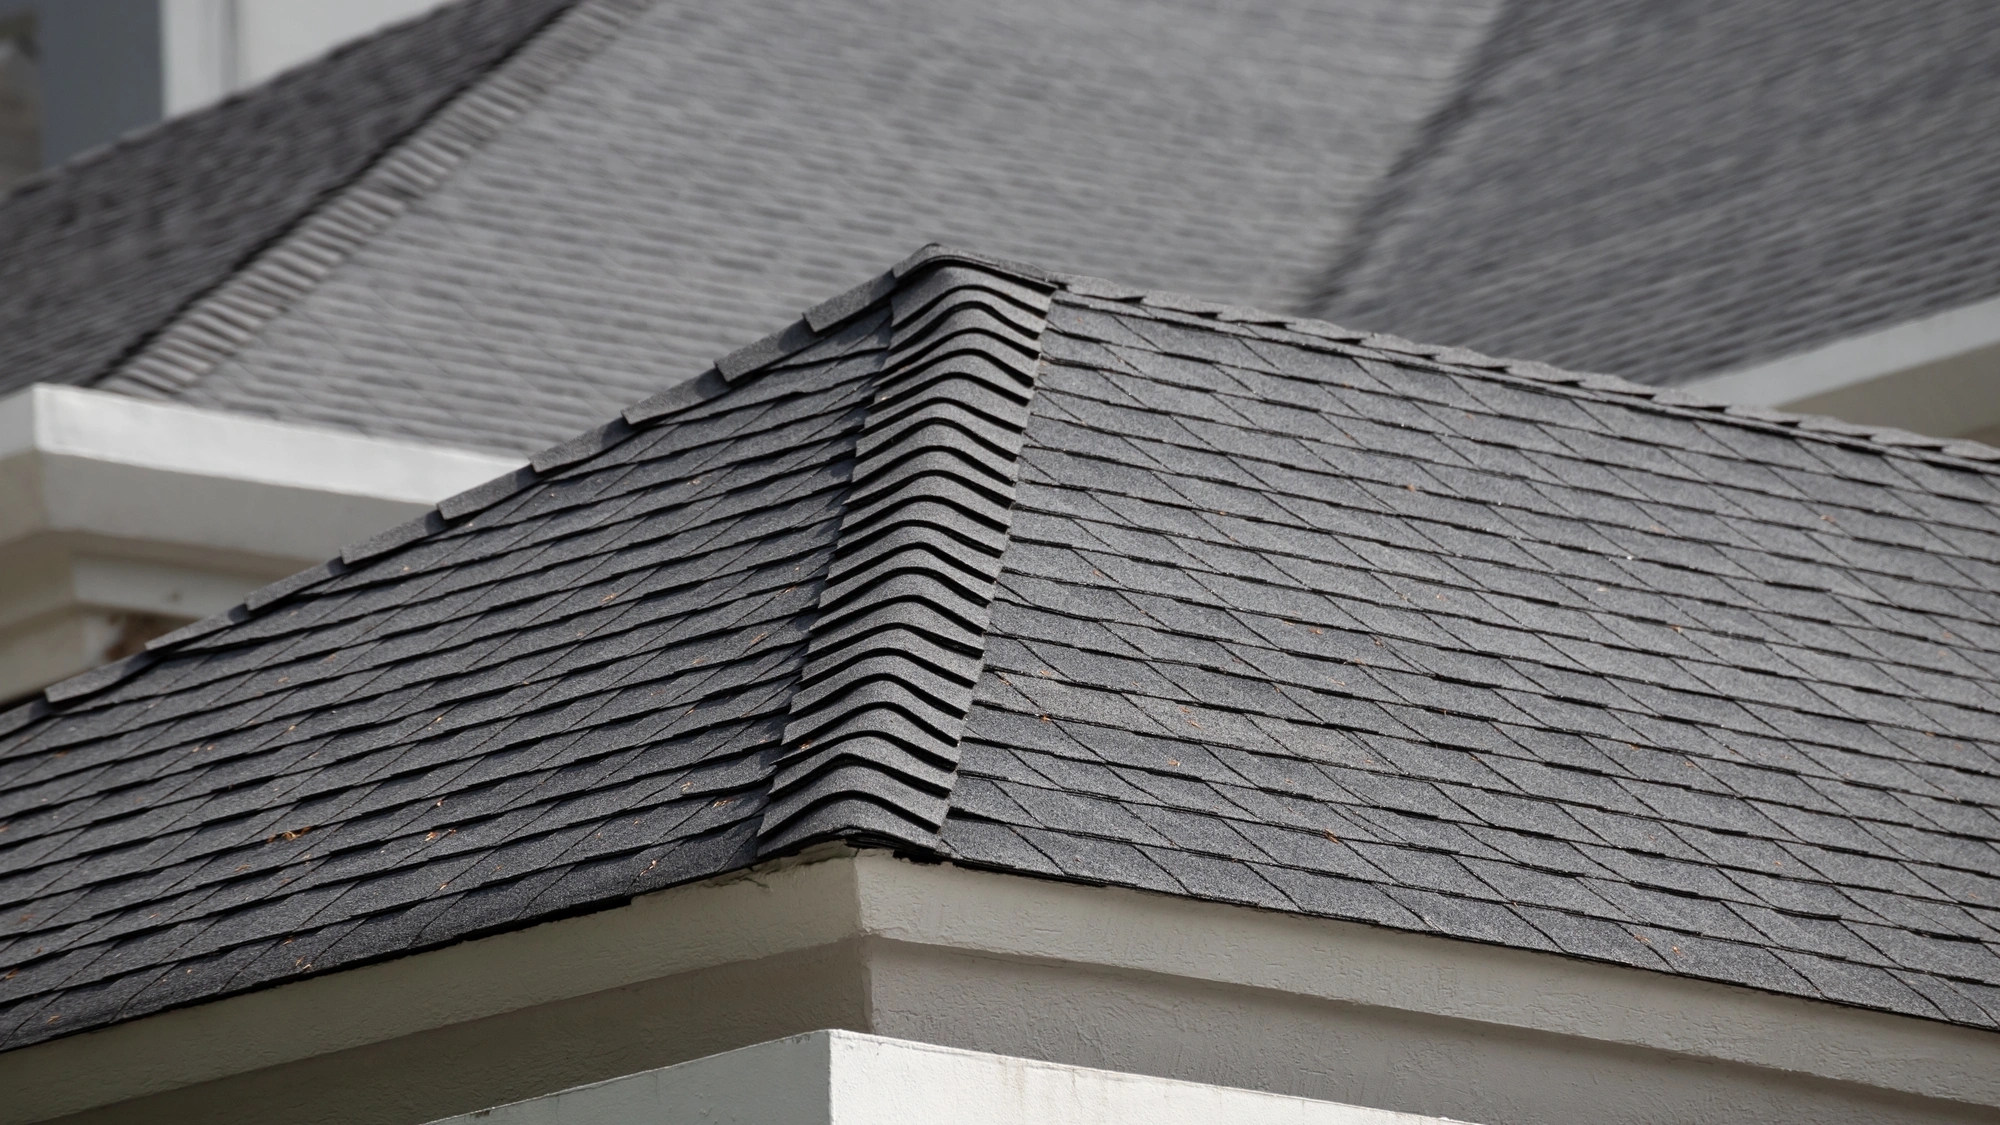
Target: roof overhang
[112, 505]
[1086, 976]
[1937, 375]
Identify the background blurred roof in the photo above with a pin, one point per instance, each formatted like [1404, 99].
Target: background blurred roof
[1670, 190]
[98, 253]
[1663, 190]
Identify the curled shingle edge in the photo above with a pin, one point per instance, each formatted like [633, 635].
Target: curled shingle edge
[871, 749]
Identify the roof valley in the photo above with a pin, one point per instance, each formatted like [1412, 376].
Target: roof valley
[873, 741]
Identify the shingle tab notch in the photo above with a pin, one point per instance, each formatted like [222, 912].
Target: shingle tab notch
[871, 748]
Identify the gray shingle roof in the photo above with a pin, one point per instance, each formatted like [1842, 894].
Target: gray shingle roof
[704, 170]
[1661, 190]
[97, 254]
[1674, 190]
[1046, 575]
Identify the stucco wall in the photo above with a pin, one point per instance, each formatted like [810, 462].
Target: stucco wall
[841, 1078]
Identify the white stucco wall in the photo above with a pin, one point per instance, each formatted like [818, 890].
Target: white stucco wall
[846, 1078]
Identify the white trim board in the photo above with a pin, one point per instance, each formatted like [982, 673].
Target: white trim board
[1938, 375]
[99, 450]
[837, 1077]
[112, 506]
[1085, 976]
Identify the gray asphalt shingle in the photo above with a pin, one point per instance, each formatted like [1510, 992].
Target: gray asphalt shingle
[498, 223]
[907, 583]
[1674, 190]
[99, 253]
[696, 173]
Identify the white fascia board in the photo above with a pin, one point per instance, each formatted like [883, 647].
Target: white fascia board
[1920, 375]
[103, 426]
[92, 462]
[819, 902]
[847, 1078]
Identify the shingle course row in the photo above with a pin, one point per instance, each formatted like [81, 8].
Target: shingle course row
[1228, 663]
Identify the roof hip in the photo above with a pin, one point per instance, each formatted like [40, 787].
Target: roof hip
[897, 646]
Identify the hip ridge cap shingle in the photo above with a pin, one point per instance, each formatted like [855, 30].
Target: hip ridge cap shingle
[871, 748]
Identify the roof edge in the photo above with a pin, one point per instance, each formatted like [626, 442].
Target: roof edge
[1048, 918]
[816, 323]
[219, 322]
[1958, 453]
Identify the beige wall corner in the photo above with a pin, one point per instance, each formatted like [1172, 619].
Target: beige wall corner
[1938, 375]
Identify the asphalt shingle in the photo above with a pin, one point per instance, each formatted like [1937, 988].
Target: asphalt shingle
[1183, 659]
[1620, 188]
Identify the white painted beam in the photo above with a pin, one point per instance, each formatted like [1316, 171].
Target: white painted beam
[1936, 375]
[118, 515]
[846, 1078]
[91, 461]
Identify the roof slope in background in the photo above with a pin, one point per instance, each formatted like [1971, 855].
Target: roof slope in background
[1064, 579]
[98, 253]
[1666, 190]
[708, 169]
[1671, 190]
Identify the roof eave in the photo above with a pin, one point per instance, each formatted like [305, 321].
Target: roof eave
[959, 957]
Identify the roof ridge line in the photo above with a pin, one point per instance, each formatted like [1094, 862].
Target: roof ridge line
[735, 369]
[871, 749]
[216, 324]
[1963, 453]
[756, 360]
